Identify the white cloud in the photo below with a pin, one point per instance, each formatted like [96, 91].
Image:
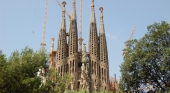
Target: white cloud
[110, 36]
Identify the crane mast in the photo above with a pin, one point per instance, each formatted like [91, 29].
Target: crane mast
[62, 7]
[81, 19]
[133, 30]
[43, 44]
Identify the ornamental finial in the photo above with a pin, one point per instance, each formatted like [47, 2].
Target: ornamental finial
[64, 3]
[101, 14]
[101, 9]
[92, 5]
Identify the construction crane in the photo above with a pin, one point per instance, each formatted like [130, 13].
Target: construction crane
[62, 7]
[43, 44]
[133, 30]
[81, 19]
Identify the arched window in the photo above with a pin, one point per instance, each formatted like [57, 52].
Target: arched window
[102, 73]
[61, 70]
[99, 73]
[67, 68]
[92, 67]
[78, 85]
[73, 66]
[95, 67]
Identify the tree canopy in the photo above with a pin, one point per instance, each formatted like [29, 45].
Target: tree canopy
[18, 72]
[146, 64]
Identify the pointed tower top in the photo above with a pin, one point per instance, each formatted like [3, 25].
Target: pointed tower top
[92, 5]
[63, 10]
[84, 47]
[73, 14]
[101, 20]
[84, 54]
[93, 19]
[101, 13]
[52, 45]
[64, 3]
[63, 15]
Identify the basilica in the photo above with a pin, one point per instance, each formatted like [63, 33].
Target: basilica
[89, 68]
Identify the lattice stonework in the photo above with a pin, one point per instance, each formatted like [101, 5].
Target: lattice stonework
[69, 59]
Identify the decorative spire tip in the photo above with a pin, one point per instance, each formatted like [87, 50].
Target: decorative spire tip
[64, 3]
[92, 5]
[52, 39]
[101, 9]
[74, 2]
[101, 14]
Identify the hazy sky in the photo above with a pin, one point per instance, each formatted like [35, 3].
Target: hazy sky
[20, 18]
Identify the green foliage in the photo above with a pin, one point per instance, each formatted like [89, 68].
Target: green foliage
[103, 91]
[121, 86]
[85, 91]
[147, 61]
[18, 72]
[2, 66]
[76, 91]
[55, 83]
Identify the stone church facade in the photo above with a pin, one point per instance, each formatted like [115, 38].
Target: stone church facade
[89, 70]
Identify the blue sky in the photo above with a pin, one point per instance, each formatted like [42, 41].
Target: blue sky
[20, 18]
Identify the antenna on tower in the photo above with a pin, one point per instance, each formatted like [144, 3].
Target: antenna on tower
[43, 44]
[81, 24]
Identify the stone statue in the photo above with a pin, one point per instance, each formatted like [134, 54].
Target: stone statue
[43, 71]
[84, 79]
[39, 72]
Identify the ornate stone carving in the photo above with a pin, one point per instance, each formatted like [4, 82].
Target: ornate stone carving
[84, 79]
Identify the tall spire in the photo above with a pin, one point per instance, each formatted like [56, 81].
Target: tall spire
[103, 50]
[52, 45]
[103, 44]
[93, 38]
[94, 51]
[93, 18]
[63, 15]
[73, 35]
[62, 40]
[102, 30]
[73, 14]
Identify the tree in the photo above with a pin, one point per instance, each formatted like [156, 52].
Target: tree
[2, 65]
[55, 83]
[85, 91]
[18, 72]
[146, 64]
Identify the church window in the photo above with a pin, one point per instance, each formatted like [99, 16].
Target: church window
[95, 67]
[67, 68]
[79, 64]
[73, 65]
[92, 67]
[78, 84]
[102, 73]
[59, 70]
